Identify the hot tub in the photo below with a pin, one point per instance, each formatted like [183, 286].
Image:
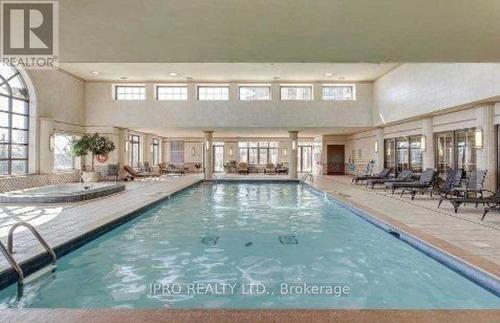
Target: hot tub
[62, 193]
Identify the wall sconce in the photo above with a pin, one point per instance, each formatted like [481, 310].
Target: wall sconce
[294, 144]
[285, 152]
[193, 151]
[376, 146]
[478, 136]
[207, 145]
[231, 152]
[126, 145]
[423, 143]
[52, 142]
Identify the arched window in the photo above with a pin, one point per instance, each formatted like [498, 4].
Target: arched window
[14, 122]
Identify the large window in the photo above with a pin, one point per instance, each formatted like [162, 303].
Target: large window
[63, 159]
[155, 147]
[14, 122]
[255, 93]
[213, 93]
[177, 151]
[171, 92]
[403, 153]
[456, 150]
[339, 92]
[135, 151]
[296, 92]
[259, 152]
[130, 92]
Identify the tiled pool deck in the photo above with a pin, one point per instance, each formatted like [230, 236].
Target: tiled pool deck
[463, 235]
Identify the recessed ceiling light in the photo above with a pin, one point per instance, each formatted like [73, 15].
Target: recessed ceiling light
[328, 74]
[173, 74]
[95, 73]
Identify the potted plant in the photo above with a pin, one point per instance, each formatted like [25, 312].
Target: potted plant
[98, 146]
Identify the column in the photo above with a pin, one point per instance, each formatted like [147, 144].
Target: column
[292, 156]
[428, 152]
[207, 154]
[379, 152]
[45, 150]
[486, 157]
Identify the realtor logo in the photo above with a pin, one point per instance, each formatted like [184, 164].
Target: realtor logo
[30, 34]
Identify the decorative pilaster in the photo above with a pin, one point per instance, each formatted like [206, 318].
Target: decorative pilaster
[207, 154]
[292, 156]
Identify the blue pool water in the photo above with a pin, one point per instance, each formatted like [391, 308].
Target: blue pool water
[236, 245]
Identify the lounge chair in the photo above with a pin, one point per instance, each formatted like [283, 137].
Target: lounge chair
[494, 206]
[361, 178]
[281, 169]
[243, 168]
[368, 170]
[134, 174]
[404, 176]
[270, 169]
[492, 201]
[453, 181]
[425, 182]
[473, 187]
[172, 169]
[162, 168]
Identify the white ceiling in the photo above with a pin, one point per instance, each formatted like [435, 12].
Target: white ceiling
[228, 71]
[198, 31]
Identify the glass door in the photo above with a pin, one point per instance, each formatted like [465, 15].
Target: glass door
[402, 154]
[444, 152]
[304, 159]
[218, 158]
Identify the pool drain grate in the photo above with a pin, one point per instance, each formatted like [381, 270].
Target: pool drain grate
[210, 240]
[288, 239]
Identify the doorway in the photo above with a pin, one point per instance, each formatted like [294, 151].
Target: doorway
[219, 158]
[335, 158]
[304, 159]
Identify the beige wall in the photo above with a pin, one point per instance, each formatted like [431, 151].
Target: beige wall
[102, 109]
[59, 96]
[416, 89]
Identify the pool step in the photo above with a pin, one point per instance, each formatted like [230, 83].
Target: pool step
[47, 270]
[288, 239]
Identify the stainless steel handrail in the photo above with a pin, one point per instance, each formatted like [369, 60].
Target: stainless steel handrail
[13, 263]
[307, 175]
[37, 235]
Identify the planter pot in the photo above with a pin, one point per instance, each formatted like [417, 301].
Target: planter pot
[90, 177]
[102, 158]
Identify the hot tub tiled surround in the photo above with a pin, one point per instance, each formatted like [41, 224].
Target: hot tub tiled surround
[62, 193]
[21, 182]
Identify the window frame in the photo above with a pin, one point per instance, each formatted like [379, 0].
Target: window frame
[73, 158]
[159, 86]
[310, 86]
[265, 86]
[117, 86]
[10, 128]
[325, 86]
[202, 86]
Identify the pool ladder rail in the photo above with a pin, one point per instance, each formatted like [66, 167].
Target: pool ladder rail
[307, 176]
[9, 250]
